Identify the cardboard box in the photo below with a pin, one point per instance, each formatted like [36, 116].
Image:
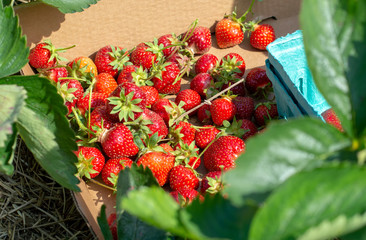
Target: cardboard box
[128, 23]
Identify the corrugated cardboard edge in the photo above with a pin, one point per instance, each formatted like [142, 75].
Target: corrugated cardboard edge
[86, 31]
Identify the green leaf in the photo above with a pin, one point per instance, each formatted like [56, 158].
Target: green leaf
[217, 217]
[45, 130]
[129, 226]
[285, 148]
[154, 206]
[334, 39]
[13, 50]
[12, 100]
[6, 2]
[70, 6]
[103, 224]
[320, 204]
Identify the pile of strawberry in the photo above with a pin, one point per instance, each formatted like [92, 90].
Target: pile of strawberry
[122, 106]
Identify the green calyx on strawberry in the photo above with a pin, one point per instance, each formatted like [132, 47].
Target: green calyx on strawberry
[187, 155]
[86, 78]
[141, 77]
[120, 57]
[66, 93]
[90, 162]
[149, 144]
[233, 128]
[176, 113]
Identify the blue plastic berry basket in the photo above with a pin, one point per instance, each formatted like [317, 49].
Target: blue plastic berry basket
[293, 84]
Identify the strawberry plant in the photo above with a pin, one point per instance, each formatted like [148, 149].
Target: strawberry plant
[298, 179]
[30, 105]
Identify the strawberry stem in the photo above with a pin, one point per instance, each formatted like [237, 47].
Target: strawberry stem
[103, 185]
[80, 124]
[244, 16]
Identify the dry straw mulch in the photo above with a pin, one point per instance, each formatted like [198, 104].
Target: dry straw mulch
[33, 206]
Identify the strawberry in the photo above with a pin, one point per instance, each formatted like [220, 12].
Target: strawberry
[181, 177]
[249, 127]
[331, 117]
[201, 83]
[90, 161]
[228, 32]
[126, 102]
[167, 148]
[97, 99]
[237, 90]
[82, 65]
[187, 155]
[110, 59]
[142, 55]
[55, 74]
[264, 112]
[160, 164]
[152, 95]
[198, 41]
[205, 135]
[184, 131]
[169, 40]
[257, 82]
[185, 196]
[111, 169]
[223, 153]
[222, 109]
[261, 36]
[206, 63]
[204, 114]
[126, 74]
[160, 108]
[169, 81]
[233, 63]
[70, 90]
[45, 55]
[211, 183]
[190, 98]
[157, 124]
[118, 142]
[105, 83]
[112, 223]
[99, 119]
[244, 107]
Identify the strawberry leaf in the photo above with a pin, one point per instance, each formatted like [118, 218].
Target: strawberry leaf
[12, 100]
[13, 51]
[45, 130]
[334, 37]
[103, 224]
[70, 6]
[309, 206]
[283, 149]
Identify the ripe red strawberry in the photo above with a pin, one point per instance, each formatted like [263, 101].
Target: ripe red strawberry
[112, 167]
[233, 63]
[97, 99]
[223, 153]
[167, 148]
[184, 131]
[126, 74]
[55, 74]
[201, 83]
[70, 90]
[160, 108]
[330, 117]
[151, 93]
[264, 112]
[45, 55]
[211, 183]
[200, 41]
[228, 32]
[257, 82]
[206, 63]
[110, 59]
[99, 119]
[105, 83]
[160, 164]
[126, 102]
[187, 155]
[250, 128]
[142, 56]
[181, 177]
[237, 90]
[157, 126]
[112, 223]
[168, 40]
[118, 142]
[185, 196]
[204, 114]
[244, 107]
[169, 82]
[90, 161]
[261, 36]
[205, 135]
[190, 98]
[222, 109]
